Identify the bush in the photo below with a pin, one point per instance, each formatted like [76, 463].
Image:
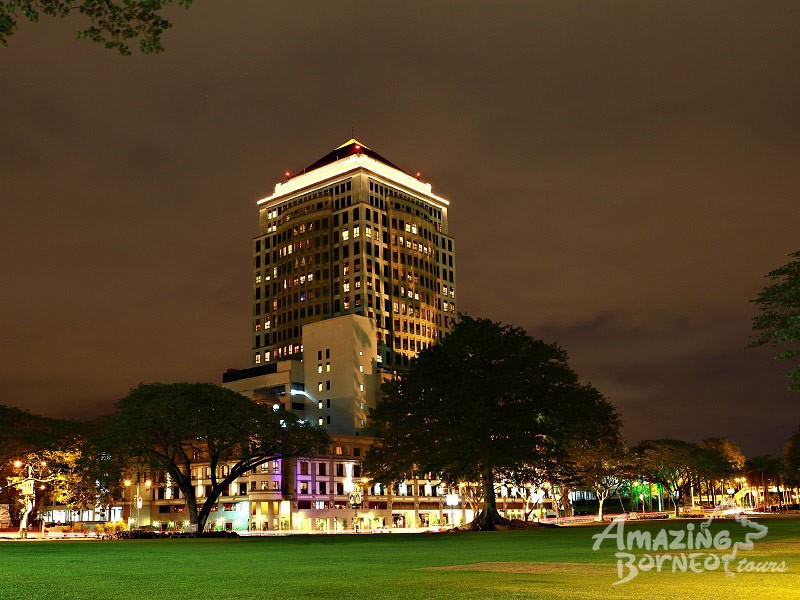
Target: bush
[117, 527]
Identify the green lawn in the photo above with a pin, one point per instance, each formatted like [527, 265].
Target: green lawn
[540, 563]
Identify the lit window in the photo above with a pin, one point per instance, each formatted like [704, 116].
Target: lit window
[319, 421]
[319, 368]
[361, 387]
[328, 367]
[319, 386]
[345, 234]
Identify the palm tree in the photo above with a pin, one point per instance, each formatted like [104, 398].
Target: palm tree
[763, 469]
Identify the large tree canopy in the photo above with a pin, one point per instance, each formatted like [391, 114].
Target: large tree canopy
[173, 427]
[673, 464]
[23, 433]
[115, 24]
[487, 399]
[791, 458]
[602, 466]
[778, 322]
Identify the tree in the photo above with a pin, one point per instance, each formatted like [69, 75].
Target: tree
[112, 23]
[25, 433]
[791, 457]
[175, 427]
[24, 439]
[671, 463]
[778, 323]
[529, 481]
[718, 460]
[487, 398]
[602, 467]
[762, 470]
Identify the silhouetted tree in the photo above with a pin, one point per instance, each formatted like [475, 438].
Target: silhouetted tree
[174, 427]
[486, 399]
[778, 323]
[718, 460]
[791, 458]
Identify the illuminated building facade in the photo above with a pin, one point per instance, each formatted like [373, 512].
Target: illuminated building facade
[353, 234]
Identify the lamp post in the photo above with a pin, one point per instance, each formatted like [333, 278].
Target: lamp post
[127, 483]
[452, 501]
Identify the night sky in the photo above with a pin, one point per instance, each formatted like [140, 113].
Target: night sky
[622, 175]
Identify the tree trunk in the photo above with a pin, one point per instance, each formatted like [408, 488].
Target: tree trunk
[205, 511]
[488, 519]
[191, 508]
[600, 501]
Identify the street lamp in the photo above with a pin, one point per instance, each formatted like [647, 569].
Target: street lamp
[127, 484]
[452, 500]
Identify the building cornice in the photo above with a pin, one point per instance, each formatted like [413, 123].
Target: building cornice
[350, 164]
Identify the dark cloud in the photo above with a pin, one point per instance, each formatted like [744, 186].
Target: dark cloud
[621, 177]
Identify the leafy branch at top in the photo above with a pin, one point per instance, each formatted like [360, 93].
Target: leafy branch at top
[114, 24]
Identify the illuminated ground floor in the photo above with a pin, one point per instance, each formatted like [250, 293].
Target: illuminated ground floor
[285, 515]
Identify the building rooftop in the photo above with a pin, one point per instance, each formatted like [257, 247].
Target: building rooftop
[349, 148]
[351, 156]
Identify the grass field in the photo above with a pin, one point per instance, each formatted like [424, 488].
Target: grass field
[540, 563]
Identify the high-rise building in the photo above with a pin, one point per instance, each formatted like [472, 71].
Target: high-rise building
[352, 234]
[354, 274]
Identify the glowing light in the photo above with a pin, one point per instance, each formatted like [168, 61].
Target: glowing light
[127, 483]
[451, 499]
[419, 174]
[358, 147]
[17, 464]
[148, 483]
[287, 174]
[345, 166]
[275, 407]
